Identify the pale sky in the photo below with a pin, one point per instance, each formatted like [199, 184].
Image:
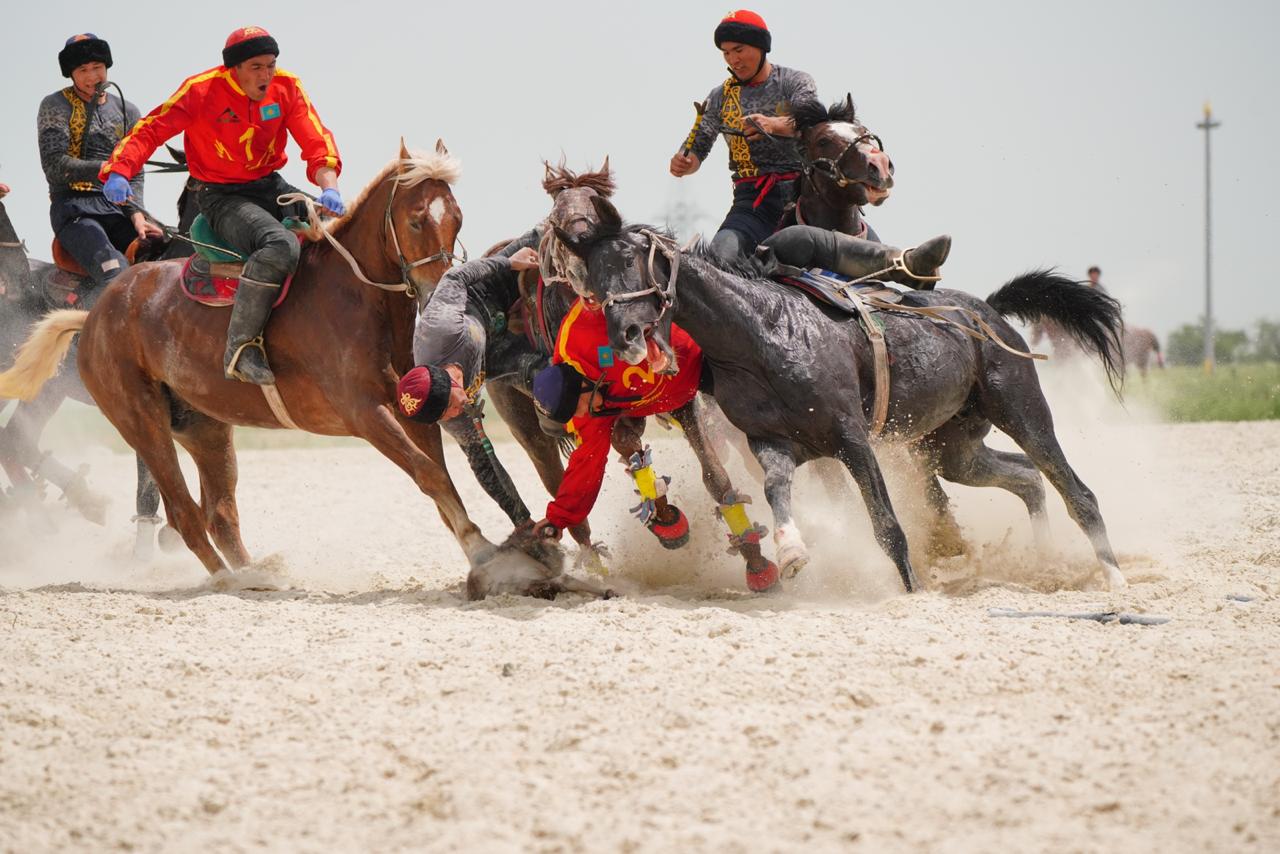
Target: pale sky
[1037, 135]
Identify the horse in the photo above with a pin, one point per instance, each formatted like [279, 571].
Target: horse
[24, 281]
[1140, 345]
[151, 358]
[797, 377]
[544, 305]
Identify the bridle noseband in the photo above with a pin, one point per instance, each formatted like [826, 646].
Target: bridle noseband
[830, 166]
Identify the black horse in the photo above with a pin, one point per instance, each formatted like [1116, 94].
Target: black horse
[797, 377]
[27, 284]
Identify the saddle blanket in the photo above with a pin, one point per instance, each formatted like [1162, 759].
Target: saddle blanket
[833, 289]
[216, 284]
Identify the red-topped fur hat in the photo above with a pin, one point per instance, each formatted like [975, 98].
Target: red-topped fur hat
[246, 43]
[744, 27]
[423, 393]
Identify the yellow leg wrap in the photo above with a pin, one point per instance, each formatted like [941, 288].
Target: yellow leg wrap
[646, 482]
[735, 516]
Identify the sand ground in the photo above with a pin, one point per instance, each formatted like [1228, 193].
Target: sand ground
[366, 705]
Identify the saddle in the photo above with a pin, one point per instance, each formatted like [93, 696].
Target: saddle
[212, 275]
[65, 284]
[834, 290]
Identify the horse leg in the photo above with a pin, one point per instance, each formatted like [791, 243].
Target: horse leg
[744, 537]
[977, 465]
[209, 443]
[779, 464]
[140, 411]
[146, 505]
[662, 518]
[858, 457]
[1032, 428]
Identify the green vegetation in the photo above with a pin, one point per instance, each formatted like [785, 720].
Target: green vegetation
[1234, 392]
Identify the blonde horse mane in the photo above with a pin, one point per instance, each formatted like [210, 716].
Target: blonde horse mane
[413, 167]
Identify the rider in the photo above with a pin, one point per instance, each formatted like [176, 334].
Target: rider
[236, 117]
[589, 389]
[757, 95]
[77, 128]
[460, 340]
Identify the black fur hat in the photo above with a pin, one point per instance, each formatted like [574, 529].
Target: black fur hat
[82, 48]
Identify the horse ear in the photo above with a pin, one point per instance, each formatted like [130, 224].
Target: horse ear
[610, 219]
[848, 102]
[440, 149]
[604, 167]
[404, 155]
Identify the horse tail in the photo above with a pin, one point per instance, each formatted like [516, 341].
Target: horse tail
[1089, 316]
[41, 354]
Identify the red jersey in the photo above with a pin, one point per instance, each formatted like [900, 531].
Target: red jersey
[630, 390]
[230, 139]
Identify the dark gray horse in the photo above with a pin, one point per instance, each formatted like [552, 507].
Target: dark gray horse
[24, 302]
[798, 379]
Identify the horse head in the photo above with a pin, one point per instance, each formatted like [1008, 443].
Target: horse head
[572, 213]
[630, 274]
[845, 162]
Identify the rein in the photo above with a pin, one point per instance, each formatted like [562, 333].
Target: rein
[405, 285]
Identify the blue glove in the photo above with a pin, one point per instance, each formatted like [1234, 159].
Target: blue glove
[116, 189]
[331, 200]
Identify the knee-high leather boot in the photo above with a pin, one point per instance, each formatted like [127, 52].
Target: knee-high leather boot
[245, 358]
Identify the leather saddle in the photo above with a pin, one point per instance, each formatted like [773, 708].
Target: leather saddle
[834, 290]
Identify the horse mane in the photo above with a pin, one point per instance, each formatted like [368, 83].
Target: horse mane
[559, 178]
[420, 166]
[810, 112]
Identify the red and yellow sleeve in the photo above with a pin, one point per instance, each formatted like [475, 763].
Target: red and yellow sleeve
[315, 140]
[584, 474]
[155, 128]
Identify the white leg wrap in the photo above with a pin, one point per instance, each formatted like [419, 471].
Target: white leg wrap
[792, 552]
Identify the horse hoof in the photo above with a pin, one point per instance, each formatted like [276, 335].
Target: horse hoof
[762, 579]
[675, 534]
[1114, 578]
[792, 561]
[170, 540]
[144, 541]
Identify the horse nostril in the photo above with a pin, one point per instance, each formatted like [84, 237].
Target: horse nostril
[633, 334]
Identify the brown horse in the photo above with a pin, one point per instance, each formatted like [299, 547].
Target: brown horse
[151, 357]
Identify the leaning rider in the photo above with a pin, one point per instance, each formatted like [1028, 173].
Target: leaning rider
[460, 340]
[77, 127]
[236, 117]
[588, 389]
[757, 96]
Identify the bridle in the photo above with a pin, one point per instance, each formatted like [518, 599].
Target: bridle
[830, 166]
[665, 291]
[407, 266]
[405, 284]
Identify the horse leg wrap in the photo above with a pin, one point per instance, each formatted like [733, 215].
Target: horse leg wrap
[733, 510]
[665, 520]
[649, 486]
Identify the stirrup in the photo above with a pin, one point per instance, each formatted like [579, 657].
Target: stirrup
[231, 373]
[900, 265]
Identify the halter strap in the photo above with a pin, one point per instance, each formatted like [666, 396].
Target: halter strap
[666, 291]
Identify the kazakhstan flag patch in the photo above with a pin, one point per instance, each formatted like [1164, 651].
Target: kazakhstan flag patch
[604, 355]
[267, 112]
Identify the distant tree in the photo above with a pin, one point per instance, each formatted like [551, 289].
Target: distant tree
[1186, 345]
[1266, 342]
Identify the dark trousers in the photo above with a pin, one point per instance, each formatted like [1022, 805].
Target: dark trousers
[752, 218]
[97, 242]
[247, 217]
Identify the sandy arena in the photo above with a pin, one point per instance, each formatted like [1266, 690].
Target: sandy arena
[366, 705]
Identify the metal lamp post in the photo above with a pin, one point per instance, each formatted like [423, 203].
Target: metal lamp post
[1208, 125]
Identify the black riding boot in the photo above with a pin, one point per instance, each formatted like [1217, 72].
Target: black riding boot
[915, 268]
[805, 246]
[246, 355]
